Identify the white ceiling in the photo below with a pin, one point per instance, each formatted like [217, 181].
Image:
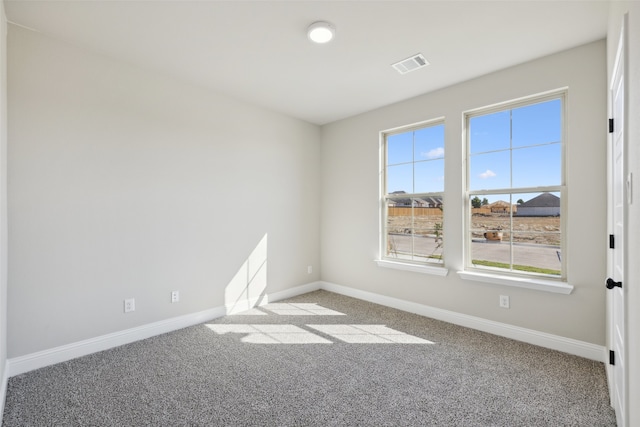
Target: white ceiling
[258, 50]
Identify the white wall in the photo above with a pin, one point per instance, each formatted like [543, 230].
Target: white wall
[128, 184]
[350, 195]
[3, 202]
[632, 281]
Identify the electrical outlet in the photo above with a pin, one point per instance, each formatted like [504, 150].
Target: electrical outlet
[175, 296]
[309, 269]
[129, 305]
[504, 301]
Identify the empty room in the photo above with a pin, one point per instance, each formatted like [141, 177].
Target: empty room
[288, 213]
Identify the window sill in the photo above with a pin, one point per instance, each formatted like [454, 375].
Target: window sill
[519, 282]
[425, 269]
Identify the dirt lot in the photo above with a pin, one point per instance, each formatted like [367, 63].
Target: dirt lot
[538, 230]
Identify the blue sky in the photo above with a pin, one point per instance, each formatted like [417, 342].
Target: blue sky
[512, 148]
[427, 147]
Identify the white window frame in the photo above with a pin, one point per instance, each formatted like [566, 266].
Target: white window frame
[503, 276]
[383, 260]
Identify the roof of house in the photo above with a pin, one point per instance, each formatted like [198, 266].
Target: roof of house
[433, 200]
[545, 200]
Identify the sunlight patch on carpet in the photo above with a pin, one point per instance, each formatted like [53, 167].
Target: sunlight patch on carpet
[300, 309]
[291, 334]
[369, 334]
[270, 334]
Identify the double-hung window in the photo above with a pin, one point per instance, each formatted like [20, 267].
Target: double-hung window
[515, 188]
[413, 194]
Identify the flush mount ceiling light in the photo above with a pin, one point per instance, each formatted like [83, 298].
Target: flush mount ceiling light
[321, 32]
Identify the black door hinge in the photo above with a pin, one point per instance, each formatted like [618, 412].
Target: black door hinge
[612, 357]
[610, 125]
[612, 242]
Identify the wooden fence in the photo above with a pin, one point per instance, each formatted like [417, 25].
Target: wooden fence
[417, 211]
[485, 210]
[488, 210]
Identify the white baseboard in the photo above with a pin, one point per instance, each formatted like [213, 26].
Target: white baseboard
[40, 359]
[294, 292]
[29, 362]
[542, 339]
[244, 305]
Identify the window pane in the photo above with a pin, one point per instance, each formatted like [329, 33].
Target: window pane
[429, 176]
[400, 178]
[429, 143]
[489, 171]
[537, 124]
[392, 229]
[492, 214]
[400, 148]
[493, 256]
[537, 233]
[399, 230]
[490, 230]
[399, 224]
[537, 258]
[489, 132]
[414, 233]
[537, 166]
[428, 237]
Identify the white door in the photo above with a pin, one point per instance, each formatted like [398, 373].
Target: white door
[616, 269]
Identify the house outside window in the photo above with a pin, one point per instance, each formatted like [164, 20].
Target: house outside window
[515, 163]
[413, 194]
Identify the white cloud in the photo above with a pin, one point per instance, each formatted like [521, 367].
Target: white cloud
[488, 174]
[435, 153]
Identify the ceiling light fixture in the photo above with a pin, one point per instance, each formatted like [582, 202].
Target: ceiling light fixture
[321, 32]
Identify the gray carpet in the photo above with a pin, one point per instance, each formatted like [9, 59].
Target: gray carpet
[319, 359]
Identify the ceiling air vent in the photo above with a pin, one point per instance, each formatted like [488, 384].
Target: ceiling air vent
[410, 64]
